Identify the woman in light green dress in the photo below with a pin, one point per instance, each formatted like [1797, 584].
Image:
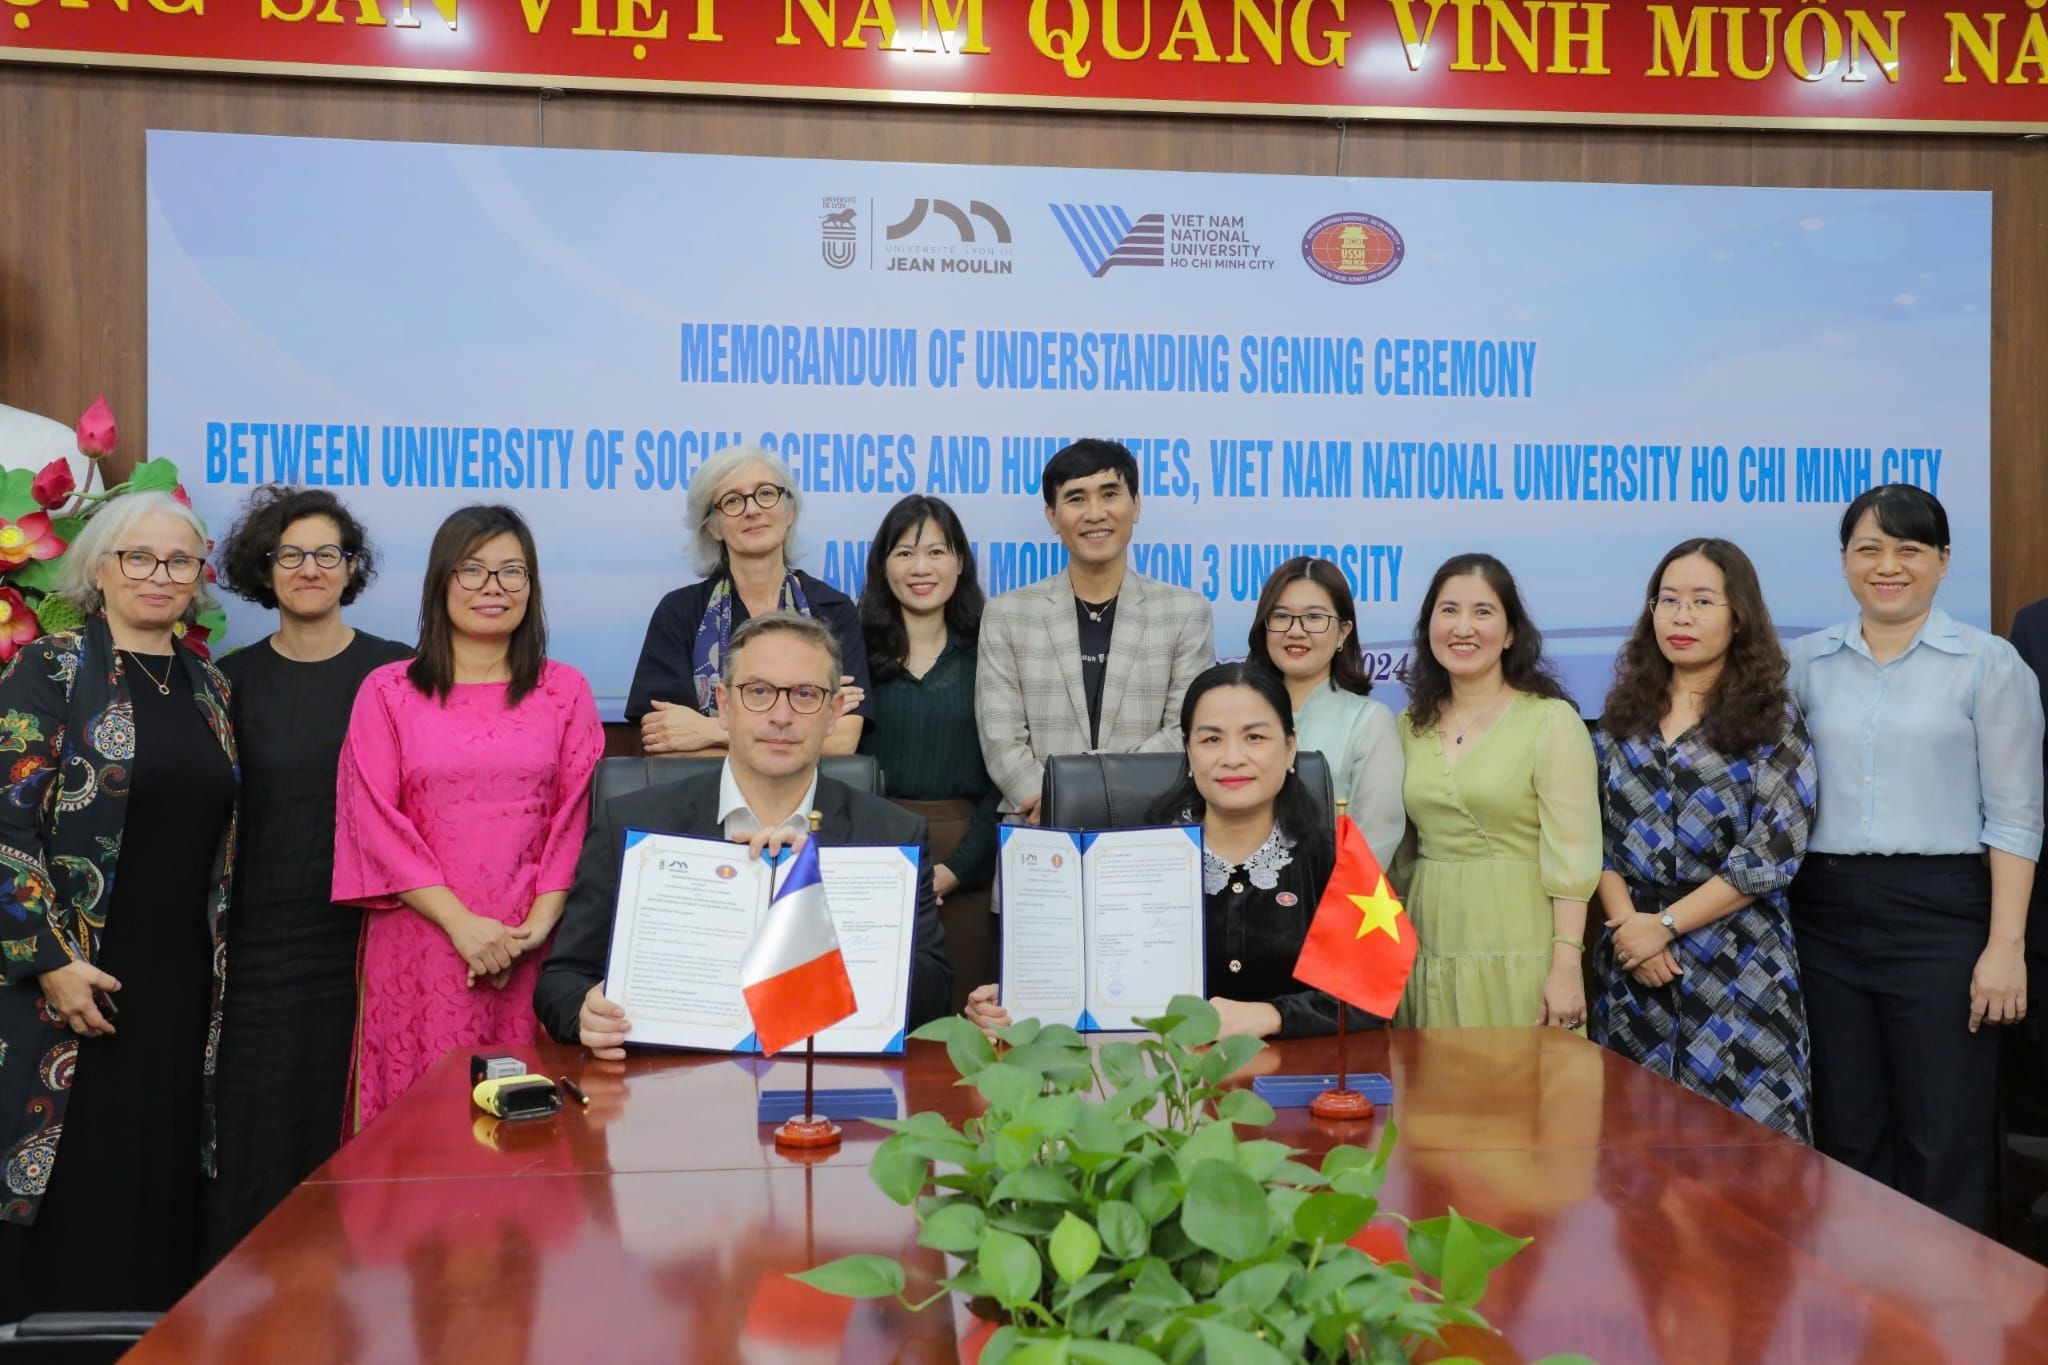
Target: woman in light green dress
[1502, 795]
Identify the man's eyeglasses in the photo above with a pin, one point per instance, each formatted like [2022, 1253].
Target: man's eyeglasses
[1279, 621]
[142, 564]
[806, 699]
[327, 556]
[511, 577]
[765, 497]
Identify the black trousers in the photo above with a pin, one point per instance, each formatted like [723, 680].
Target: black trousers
[1902, 1090]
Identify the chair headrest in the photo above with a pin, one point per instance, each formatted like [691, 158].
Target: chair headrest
[1114, 791]
[618, 776]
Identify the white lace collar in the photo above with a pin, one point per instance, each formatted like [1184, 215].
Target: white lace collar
[1262, 869]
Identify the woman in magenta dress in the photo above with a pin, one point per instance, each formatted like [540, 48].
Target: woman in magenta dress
[460, 810]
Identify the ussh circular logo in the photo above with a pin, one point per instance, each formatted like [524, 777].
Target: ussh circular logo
[1353, 248]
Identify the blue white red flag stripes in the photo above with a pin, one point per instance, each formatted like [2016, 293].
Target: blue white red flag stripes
[793, 975]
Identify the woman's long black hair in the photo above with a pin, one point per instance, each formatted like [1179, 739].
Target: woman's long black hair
[432, 670]
[1299, 819]
[881, 615]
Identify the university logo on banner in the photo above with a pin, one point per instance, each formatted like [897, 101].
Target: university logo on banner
[838, 232]
[1104, 236]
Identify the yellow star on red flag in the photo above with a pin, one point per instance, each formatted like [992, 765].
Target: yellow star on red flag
[1379, 911]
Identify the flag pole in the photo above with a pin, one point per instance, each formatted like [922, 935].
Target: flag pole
[809, 1133]
[1341, 1103]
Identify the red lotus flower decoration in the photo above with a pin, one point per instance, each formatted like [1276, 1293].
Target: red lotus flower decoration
[194, 635]
[96, 430]
[18, 624]
[53, 484]
[26, 539]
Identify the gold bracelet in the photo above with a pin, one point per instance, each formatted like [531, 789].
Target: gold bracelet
[1569, 941]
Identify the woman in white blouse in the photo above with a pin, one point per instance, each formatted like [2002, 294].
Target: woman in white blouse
[1305, 628]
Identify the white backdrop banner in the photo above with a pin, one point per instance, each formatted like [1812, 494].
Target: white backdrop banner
[1383, 372]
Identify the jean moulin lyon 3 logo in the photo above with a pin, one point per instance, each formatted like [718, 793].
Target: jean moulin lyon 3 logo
[1104, 236]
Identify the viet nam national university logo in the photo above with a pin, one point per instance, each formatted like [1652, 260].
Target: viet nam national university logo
[1104, 236]
[1353, 248]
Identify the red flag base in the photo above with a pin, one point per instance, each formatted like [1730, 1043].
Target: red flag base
[1345, 1106]
[813, 1134]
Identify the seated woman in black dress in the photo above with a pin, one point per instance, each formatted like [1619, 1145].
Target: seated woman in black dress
[115, 836]
[742, 517]
[289, 1030]
[1266, 853]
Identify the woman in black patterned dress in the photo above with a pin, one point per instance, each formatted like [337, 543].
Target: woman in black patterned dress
[1707, 793]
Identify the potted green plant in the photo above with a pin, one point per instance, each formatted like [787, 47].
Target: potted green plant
[1102, 1236]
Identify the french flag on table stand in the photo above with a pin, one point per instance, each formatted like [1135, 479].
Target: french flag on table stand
[793, 975]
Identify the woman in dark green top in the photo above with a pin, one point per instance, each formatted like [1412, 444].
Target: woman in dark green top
[920, 611]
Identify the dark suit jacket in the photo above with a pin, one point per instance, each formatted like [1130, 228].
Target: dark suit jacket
[577, 961]
[2029, 635]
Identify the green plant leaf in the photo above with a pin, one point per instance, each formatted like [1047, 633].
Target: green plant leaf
[1074, 1249]
[1569, 1359]
[1121, 1063]
[17, 498]
[1259, 1159]
[1095, 1133]
[1223, 1344]
[1211, 1142]
[1010, 1267]
[1332, 1218]
[1137, 1096]
[1020, 1033]
[1016, 1146]
[1242, 1106]
[1053, 1115]
[1427, 1245]
[1225, 1211]
[966, 1046]
[954, 1226]
[1468, 1260]
[1254, 1288]
[1079, 1290]
[159, 476]
[1111, 1353]
[1002, 1346]
[855, 1277]
[1007, 1088]
[897, 1171]
[1032, 1221]
[1198, 1021]
[1339, 1269]
[1153, 1283]
[1037, 1185]
[1283, 1200]
[1153, 1194]
[1338, 1160]
[1124, 1230]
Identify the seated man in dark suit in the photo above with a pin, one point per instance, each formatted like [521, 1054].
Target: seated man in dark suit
[776, 706]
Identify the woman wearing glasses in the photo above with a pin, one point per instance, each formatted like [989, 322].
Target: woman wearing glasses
[1305, 628]
[1707, 787]
[461, 810]
[742, 515]
[116, 844]
[289, 1031]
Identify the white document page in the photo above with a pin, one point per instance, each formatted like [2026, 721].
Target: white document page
[1143, 891]
[1043, 948]
[687, 910]
[872, 892]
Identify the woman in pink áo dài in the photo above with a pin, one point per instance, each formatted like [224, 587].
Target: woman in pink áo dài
[460, 810]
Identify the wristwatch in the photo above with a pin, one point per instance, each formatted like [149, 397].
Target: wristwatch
[1670, 924]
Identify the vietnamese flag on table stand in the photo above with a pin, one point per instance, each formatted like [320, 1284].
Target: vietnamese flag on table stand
[793, 975]
[1361, 944]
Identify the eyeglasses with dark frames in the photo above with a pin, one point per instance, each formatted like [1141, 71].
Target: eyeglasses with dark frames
[513, 578]
[806, 699]
[765, 497]
[1279, 621]
[326, 556]
[141, 565]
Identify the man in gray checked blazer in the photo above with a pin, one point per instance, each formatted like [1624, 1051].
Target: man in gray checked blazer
[1095, 657]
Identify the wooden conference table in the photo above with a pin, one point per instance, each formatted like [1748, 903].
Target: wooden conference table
[659, 1224]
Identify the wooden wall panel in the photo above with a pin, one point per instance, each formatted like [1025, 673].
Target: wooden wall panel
[73, 307]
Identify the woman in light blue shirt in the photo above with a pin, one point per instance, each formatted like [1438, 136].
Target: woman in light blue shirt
[1305, 628]
[1910, 911]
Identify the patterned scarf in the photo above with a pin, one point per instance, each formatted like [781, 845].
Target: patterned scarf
[714, 634]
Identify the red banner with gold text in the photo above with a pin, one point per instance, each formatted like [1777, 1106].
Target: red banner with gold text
[1964, 68]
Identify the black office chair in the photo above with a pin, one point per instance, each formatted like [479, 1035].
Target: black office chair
[1115, 791]
[72, 1338]
[618, 776]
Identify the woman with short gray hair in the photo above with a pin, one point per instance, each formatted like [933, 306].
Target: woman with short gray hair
[116, 834]
[743, 506]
